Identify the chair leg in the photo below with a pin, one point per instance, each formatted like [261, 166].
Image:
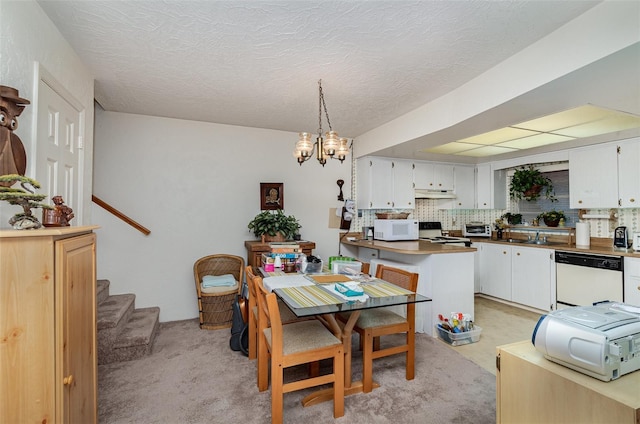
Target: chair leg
[411, 354]
[253, 338]
[263, 366]
[376, 343]
[367, 361]
[277, 393]
[338, 384]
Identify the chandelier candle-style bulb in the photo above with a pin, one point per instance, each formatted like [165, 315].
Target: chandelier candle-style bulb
[331, 143]
[304, 146]
[343, 149]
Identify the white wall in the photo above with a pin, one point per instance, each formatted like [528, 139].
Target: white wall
[28, 36]
[196, 186]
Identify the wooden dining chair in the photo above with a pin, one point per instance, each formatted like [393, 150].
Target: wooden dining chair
[374, 323]
[285, 313]
[293, 344]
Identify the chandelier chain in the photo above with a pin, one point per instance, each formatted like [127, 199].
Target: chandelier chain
[321, 105]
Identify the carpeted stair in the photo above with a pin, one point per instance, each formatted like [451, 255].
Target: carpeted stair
[124, 333]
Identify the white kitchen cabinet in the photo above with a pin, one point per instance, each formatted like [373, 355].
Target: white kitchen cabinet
[632, 281]
[593, 177]
[433, 176]
[532, 276]
[385, 183]
[464, 187]
[495, 269]
[629, 173]
[490, 187]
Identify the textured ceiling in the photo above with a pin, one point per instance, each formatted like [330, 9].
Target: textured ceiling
[257, 63]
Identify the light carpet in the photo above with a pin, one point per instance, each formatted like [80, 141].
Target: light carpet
[193, 377]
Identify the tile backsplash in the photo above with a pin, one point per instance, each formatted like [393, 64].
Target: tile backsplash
[429, 210]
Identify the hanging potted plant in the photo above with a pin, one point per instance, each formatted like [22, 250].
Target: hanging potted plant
[529, 184]
[274, 225]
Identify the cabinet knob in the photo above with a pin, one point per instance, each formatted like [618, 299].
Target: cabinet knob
[504, 253]
[638, 288]
[580, 201]
[632, 200]
[68, 380]
[518, 254]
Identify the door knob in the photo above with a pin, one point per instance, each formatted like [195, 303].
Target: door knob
[67, 381]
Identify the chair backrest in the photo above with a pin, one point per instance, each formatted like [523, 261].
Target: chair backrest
[219, 264]
[399, 277]
[269, 314]
[250, 282]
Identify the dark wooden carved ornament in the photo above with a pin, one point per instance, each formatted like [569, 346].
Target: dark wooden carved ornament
[13, 158]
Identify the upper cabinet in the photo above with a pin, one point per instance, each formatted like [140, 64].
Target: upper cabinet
[605, 176]
[464, 178]
[385, 183]
[593, 177]
[433, 176]
[491, 187]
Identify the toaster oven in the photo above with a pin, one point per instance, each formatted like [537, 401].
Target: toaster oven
[475, 229]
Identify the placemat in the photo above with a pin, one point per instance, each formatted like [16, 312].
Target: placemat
[384, 289]
[327, 279]
[306, 296]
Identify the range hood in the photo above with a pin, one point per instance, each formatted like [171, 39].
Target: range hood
[434, 194]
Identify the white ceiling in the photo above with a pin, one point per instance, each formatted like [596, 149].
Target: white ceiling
[257, 63]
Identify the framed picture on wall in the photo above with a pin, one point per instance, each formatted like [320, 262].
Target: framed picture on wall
[271, 196]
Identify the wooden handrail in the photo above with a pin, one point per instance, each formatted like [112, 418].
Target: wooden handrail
[120, 215]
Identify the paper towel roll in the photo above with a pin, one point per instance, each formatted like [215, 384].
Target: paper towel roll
[583, 234]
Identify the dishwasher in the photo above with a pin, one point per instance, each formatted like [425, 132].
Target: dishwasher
[583, 279]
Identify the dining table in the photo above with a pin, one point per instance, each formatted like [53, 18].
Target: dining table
[315, 295]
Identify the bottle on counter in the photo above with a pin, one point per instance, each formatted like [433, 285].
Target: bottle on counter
[370, 235]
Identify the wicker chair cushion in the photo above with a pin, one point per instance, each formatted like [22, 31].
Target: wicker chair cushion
[304, 335]
[219, 289]
[378, 318]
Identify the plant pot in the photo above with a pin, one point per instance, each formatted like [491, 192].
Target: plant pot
[551, 222]
[267, 238]
[533, 192]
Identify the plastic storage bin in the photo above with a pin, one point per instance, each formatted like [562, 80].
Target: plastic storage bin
[458, 339]
[346, 267]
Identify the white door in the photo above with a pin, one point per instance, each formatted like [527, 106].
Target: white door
[59, 159]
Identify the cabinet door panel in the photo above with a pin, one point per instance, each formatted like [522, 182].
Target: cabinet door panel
[76, 285]
[593, 177]
[403, 193]
[629, 174]
[632, 281]
[531, 277]
[495, 270]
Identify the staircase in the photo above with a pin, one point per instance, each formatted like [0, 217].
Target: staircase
[124, 333]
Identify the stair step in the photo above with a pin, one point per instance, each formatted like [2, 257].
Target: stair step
[114, 309]
[136, 339]
[102, 291]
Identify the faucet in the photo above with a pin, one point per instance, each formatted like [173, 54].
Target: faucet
[537, 236]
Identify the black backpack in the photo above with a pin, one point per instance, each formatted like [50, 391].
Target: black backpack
[239, 328]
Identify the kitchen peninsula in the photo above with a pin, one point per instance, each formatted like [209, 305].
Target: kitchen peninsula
[446, 273]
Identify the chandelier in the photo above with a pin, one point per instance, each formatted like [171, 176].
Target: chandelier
[329, 147]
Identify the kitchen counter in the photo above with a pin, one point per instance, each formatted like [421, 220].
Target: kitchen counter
[599, 246]
[418, 247]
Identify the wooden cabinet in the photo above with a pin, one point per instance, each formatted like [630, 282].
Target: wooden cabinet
[593, 177]
[532, 389]
[532, 276]
[464, 187]
[433, 176]
[385, 183]
[632, 281]
[495, 270]
[255, 249]
[48, 359]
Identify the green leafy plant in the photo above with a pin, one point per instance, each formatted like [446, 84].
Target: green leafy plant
[529, 184]
[551, 218]
[512, 218]
[273, 222]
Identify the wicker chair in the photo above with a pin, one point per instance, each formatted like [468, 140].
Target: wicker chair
[216, 303]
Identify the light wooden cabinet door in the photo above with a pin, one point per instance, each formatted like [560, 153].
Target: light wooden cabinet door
[593, 177]
[629, 173]
[531, 276]
[48, 362]
[495, 270]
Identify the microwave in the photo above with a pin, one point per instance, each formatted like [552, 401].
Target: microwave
[395, 229]
[475, 229]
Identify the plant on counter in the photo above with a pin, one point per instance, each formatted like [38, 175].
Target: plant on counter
[25, 197]
[512, 218]
[529, 184]
[552, 218]
[271, 223]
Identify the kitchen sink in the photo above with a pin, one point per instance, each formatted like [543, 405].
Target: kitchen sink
[517, 241]
[536, 242]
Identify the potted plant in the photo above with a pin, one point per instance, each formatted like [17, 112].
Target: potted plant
[25, 197]
[529, 184]
[512, 218]
[552, 218]
[274, 225]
